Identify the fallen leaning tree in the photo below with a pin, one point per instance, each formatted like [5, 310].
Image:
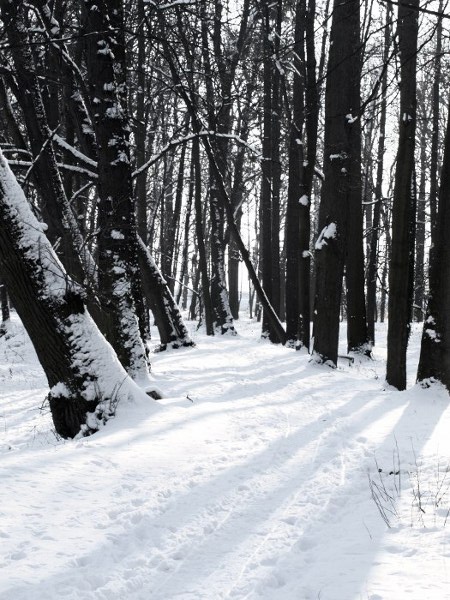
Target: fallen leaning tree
[85, 377]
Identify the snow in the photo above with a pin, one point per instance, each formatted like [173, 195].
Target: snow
[304, 200]
[328, 232]
[339, 156]
[252, 481]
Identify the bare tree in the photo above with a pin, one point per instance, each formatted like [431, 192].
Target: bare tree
[403, 210]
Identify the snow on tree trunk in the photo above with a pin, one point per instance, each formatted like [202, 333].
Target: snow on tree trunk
[85, 377]
[342, 179]
[119, 277]
[434, 363]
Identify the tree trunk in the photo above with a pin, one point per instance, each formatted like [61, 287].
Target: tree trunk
[276, 109]
[86, 379]
[237, 197]
[372, 268]
[203, 263]
[434, 150]
[357, 340]
[340, 190]
[266, 169]
[62, 226]
[297, 210]
[400, 285]
[184, 276]
[119, 279]
[223, 195]
[140, 133]
[4, 304]
[434, 363]
[419, 274]
[223, 319]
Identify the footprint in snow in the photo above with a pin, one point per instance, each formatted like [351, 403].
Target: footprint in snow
[137, 502]
[400, 550]
[210, 527]
[289, 520]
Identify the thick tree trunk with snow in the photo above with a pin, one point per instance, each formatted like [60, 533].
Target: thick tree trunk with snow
[86, 379]
[339, 191]
[119, 277]
[302, 157]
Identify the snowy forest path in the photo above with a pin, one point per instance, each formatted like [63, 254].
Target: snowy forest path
[243, 491]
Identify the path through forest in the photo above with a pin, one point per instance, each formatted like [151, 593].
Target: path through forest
[256, 486]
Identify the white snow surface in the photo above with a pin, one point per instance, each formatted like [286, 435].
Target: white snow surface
[252, 481]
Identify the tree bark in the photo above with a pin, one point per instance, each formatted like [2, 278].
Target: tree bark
[172, 330]
[372, 268]
[203, 263]
[341, 188]
[419, 272]
[434, 362]
[400, 284]
[297, 210]
[266, 207]
[119, 278]
[435, 134]
[4, 305]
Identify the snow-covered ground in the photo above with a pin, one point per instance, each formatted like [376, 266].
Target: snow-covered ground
[260, 476]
